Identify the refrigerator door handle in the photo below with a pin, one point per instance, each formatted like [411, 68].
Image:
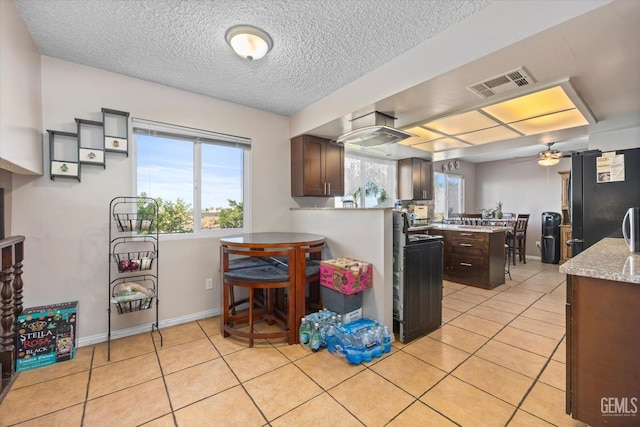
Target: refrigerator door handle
[571, 242]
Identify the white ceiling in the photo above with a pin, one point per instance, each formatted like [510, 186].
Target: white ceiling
[323, 46]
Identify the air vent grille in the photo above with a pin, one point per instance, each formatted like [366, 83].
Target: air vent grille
[502, 83]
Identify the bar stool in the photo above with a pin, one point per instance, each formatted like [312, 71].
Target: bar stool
[267, 278]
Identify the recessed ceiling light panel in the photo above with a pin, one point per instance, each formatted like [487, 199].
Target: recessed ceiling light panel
[461, 123]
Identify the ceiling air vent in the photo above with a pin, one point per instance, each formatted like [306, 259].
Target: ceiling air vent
[500, 84]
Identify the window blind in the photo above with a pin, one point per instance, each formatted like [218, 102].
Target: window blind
[165, 130]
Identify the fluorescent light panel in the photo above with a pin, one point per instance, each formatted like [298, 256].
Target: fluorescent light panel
[547, 110]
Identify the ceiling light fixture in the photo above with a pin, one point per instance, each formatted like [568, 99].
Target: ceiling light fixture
[548, 161]
[249, 42]
[549, 108]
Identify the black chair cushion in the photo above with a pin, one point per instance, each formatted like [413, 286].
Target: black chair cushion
[246, 262]
[263, 274]
[313, 268]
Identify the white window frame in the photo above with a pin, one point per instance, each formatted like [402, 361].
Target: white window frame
[446, 189]
[391, 192]
[198, 137]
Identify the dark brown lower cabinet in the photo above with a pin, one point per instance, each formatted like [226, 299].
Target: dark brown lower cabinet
[474, 258]
[603, 351]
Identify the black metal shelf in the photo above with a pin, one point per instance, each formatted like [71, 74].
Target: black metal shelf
[133, 255]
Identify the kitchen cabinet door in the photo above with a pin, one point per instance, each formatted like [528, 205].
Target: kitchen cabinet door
[415, 179]
[317, 167]
[423, 289]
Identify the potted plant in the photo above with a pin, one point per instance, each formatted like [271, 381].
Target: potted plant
[499, 210]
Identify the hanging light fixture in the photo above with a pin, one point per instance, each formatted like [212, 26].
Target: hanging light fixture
[548, 161]
[249, 42]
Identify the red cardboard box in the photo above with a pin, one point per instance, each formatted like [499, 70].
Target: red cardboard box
[346, 275]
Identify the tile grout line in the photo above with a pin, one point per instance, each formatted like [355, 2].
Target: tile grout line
[537, 379]
[164, 381]
[86, 395]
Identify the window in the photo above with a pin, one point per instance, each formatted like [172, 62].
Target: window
[198, 177]
[368, 182]
[449, 195]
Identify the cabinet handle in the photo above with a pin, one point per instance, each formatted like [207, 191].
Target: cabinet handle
[329, 185]
[466, 264]
[466, 244]
[466, 234]
[324, 190]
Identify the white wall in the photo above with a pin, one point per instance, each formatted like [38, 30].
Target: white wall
[523, 187]
[65, 221]
[20, 98]
[362, 234]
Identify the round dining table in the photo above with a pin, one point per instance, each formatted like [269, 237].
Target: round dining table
[300, 242]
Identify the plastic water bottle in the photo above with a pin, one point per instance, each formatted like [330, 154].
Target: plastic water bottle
[355, 350]
[314, 341]
[377, 338]
[386, 340]
[305, 331]
[367, 353]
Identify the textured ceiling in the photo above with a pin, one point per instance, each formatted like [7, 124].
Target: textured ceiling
[319, 46]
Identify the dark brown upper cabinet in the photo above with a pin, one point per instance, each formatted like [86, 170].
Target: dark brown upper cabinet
[317, 167]
[415, 179]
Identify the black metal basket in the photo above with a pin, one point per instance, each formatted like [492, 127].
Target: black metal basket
[134, 305]
[134, 222]
[134, 261]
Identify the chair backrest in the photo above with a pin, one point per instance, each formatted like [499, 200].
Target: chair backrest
[522, 220]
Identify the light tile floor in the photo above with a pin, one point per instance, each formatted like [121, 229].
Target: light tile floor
[499, 359]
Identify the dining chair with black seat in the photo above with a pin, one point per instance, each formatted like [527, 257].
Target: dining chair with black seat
[517, 238]
[266, 278]
[471, 219]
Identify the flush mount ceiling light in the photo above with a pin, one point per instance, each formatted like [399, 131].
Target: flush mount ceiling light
[249, 42]
[551, 108]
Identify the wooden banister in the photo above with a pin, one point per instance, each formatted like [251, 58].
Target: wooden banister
[12, 249]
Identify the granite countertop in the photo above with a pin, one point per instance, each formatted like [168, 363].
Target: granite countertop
[608, 259]
[472, 228]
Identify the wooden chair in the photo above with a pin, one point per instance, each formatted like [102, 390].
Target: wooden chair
[471, 219]
[517, 238]
[311, 267]
[267, 278]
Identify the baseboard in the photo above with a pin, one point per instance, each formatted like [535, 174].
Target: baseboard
[96, 339]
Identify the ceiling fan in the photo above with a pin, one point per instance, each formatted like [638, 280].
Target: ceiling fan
[549, 157]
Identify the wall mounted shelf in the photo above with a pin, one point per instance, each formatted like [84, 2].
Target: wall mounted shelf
[63, 154]
[69, 151]
[90, 142]
[116, 131]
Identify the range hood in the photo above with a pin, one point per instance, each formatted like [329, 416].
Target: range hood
[371, 130]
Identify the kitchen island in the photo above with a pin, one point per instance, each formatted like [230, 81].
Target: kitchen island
[603, 345]
[473, 255]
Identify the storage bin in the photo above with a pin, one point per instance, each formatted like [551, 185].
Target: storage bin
[339, 302]
[346, 275]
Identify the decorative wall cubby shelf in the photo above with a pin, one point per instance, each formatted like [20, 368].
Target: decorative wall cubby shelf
[68, 152]
[63, 153]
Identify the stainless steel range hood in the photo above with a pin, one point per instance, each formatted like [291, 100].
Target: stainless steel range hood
[371, 130]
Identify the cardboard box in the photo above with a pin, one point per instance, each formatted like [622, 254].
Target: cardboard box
[346, 275]
[46, 335]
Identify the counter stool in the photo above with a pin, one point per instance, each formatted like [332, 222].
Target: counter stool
[508, 255]
[238, 263]
[266, 278]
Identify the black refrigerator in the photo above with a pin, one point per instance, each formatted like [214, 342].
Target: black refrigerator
[598, 204]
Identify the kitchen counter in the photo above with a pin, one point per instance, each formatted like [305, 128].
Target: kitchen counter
[602, 346]
[608, 259]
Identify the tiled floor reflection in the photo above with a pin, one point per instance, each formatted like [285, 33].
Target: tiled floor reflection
[497, 360]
